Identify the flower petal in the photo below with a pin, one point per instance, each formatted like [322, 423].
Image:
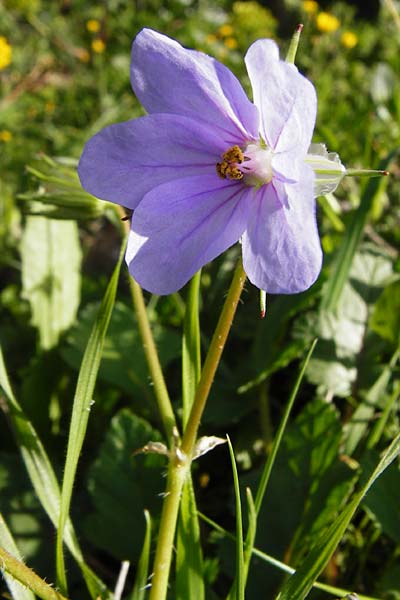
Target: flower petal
[281, 248]
[168, 78]
[182, 225]
[286, 100]
[126, 160]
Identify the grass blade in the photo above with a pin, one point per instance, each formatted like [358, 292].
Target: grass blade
[240, 581]
[191, 359]
[189, 557]
[329, 589]
[300, 583]
[142, 575]
[279, 434]
[81, 410]
[43, 478]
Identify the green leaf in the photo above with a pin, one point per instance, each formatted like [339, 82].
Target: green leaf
[300, 583]
[191, 359]
[51, 260]
[43, 478]
[385, 319]
[81, 410]
[341, 332]
[189, 557]
[240, 580]
[123, 363]
[142, 573]
[122, 484]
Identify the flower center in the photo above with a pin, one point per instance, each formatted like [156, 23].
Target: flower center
[253, 164]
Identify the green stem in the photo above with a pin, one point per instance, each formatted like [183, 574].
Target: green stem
[160, 389]
[213, 358]
[153, 363]
[27, 577]
[181, 458]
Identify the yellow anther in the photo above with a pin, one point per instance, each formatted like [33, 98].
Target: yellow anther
[234, 154]
[228, 167]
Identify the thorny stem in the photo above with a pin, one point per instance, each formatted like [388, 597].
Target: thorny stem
[26, 577]
[181, 458]
[160, 389]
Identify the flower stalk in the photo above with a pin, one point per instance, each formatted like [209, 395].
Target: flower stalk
[28, 578]
[181, 457]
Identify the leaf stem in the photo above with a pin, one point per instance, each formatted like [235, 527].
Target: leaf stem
[181, 458]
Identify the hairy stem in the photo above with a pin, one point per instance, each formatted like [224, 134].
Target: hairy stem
[181, 458]
[160, 389]
[28, 578]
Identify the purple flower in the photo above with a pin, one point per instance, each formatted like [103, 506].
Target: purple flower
[207, 167]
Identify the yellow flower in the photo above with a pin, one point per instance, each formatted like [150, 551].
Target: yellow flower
[349, 39]
[231, 43]
[5, 53]
[226, 30]
[5, 135]
[93, 25]
[327, 23]
[98, 46]
[211, 38]
[310, 7]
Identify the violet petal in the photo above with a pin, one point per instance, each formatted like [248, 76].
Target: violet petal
[281, 248]
[182, 225]
[286, 100]
[168, 78]
[126, 160]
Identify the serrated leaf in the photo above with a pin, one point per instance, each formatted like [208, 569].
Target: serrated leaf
[122, 484]
[51, 262]
[300, 583]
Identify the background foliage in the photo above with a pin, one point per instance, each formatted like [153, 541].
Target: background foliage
[64, 74]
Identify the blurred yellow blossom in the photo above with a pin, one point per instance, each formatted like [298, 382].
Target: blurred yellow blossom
[226, 30]
[98, 46]
[349, 39]
[82, 54]
[211, 38]
[5, 53]
[310, 7]
[327, 23]
[231, 43]
[93, 25]
[5, 135]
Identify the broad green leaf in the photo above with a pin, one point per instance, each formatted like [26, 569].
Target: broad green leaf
[300, 583]
[342, 332]
[385, 319]
[122, 484]
[17, 591]
[81, 410]
[51, 260]
[123, 363]
[43, 479]
[142, 573]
